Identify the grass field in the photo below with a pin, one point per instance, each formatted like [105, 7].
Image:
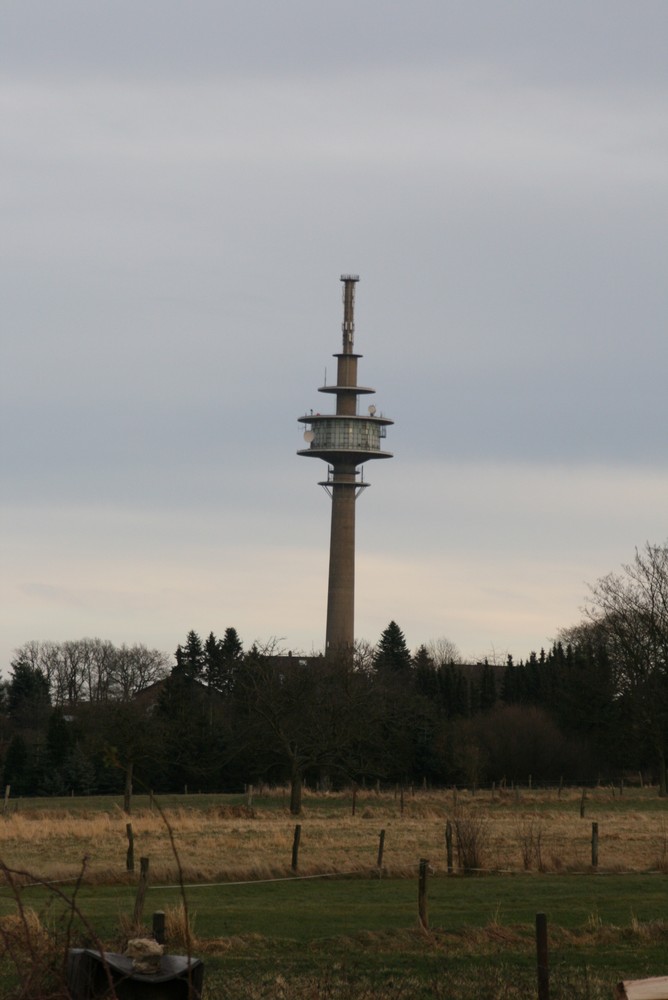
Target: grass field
[337, 928]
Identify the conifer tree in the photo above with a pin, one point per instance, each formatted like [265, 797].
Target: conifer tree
[190, 658]
[28, 698]
[391, 654]
[212, 665]
[231, 657]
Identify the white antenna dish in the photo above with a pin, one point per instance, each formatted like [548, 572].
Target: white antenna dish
[309, 436]
[372, 410]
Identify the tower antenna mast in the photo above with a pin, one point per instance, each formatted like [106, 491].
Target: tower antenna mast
[345, 440]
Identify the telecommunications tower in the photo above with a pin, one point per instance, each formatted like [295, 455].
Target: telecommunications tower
[344, 440]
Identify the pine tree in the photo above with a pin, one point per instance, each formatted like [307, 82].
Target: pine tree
[231, 645]
[391, 654]
[212, 661]
[221, 659]
[28, 698]
[426, 678]
[190, 658]
[231, 656]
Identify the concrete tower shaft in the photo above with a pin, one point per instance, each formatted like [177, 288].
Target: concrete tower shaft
[344, 440]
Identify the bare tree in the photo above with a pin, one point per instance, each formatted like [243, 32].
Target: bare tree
[94, 670]
[300, 717]
[363, 653]
[630, 610]
[443, 651]
[134, 668]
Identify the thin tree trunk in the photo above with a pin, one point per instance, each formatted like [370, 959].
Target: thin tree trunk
[295, 790]
[662, 775]
[127, 791]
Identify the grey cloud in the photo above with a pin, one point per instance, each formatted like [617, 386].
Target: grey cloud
[607, 39]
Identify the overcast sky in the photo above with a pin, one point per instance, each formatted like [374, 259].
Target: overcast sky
[182, 184]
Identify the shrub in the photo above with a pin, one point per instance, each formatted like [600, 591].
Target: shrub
[471, 839]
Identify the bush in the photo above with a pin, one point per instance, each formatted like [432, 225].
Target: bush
[471, 839]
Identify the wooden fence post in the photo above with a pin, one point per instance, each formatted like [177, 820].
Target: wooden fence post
[594, 845]
[582, 804]
[422, 894]
[130, 856]
[401, 801]
[249, 800]
[141, 892]
[542, 957]
[381, 848]
[295, 847]
[159, 926]
[448, 847]
[8, 789]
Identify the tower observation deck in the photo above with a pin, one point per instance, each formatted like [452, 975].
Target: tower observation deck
[345, 440]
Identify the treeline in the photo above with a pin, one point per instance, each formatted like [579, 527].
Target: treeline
[87, 717]
[221, 717]
[66, 709]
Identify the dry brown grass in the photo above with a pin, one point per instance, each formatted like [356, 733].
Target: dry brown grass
[536, 829]
[24, 933]
[30, 949]
[180, 928]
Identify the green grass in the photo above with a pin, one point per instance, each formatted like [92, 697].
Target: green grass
[109, 803]
[603, 798]
[306, 911]
[318, 908]
[359, 938]
[347, 935]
